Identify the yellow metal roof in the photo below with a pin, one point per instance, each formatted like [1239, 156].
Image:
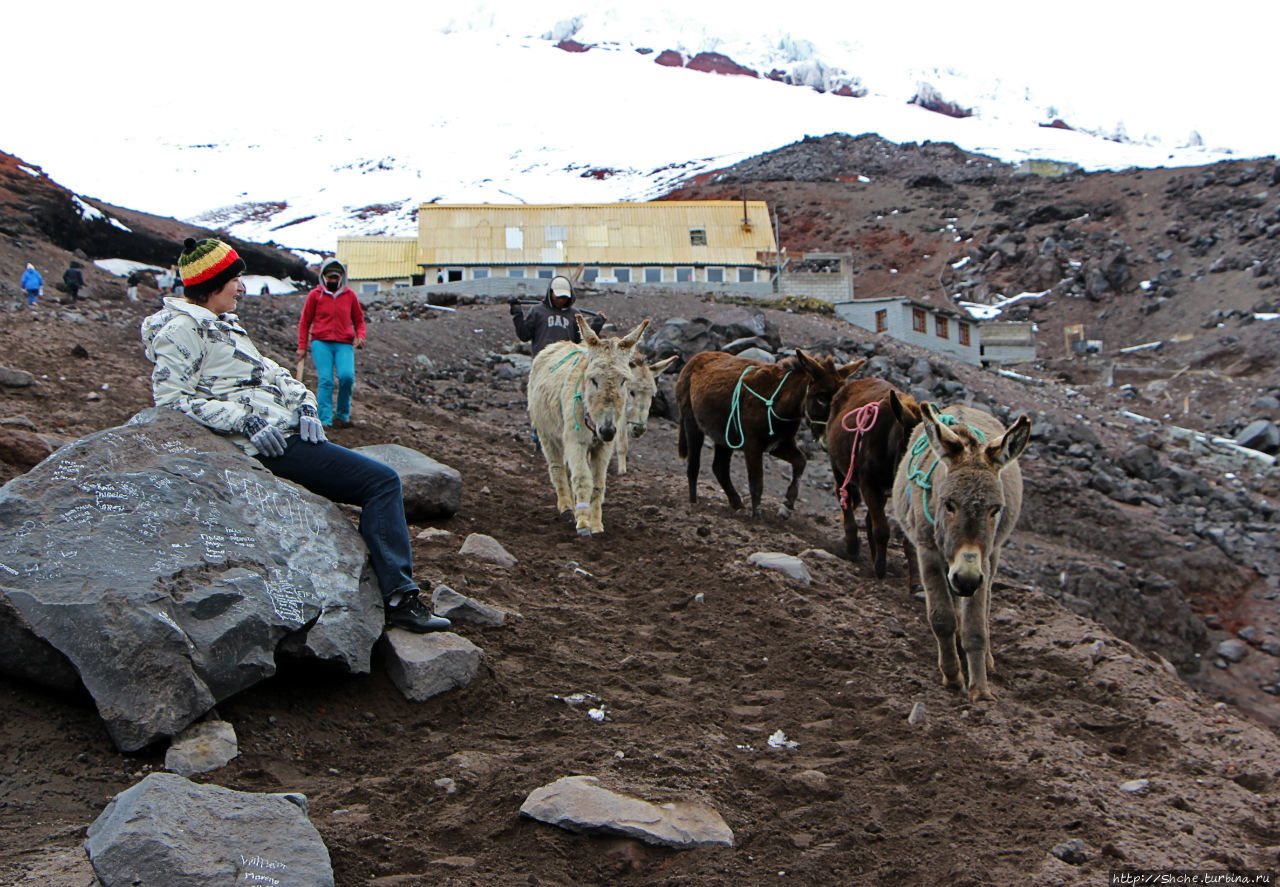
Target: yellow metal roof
[657, 233]
[379, 258]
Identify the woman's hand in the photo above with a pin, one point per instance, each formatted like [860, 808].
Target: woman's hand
[359, 343]
[302, 352]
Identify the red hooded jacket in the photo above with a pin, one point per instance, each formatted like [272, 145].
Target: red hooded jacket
[331, 318]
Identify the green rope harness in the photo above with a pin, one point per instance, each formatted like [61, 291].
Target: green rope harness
[735, 410]
[924, 479]
[577, 394]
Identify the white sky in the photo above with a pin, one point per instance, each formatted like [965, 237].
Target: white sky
[304, 102]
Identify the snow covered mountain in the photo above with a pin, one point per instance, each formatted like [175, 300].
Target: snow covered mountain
[548, 102]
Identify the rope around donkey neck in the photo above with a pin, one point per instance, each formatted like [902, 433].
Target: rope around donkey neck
[924, 479]
[577, 394]
[864, 418]
[735, 409]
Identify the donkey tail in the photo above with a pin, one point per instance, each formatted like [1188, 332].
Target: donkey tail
[682, 442]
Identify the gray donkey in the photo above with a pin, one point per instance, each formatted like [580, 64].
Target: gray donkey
[957, 496]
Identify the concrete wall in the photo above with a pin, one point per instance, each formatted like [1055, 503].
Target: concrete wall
[898, 316]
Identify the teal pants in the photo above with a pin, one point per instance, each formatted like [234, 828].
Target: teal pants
[334, 359]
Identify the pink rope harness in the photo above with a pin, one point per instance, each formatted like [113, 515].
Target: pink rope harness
[864, 419]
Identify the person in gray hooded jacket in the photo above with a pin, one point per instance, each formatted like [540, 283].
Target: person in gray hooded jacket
[551, 320]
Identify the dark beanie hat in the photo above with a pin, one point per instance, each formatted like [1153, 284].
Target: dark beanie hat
[206, 266]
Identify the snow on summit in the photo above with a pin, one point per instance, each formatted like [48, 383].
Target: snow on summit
[300, 123]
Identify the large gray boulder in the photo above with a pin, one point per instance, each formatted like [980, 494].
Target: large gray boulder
[171, 831]
[164, 569]
[430, 488]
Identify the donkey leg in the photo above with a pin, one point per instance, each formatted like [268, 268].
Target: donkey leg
[583, 480]
[977, 643]
[789, 452]
[554, 452]
[942, 618]
[852, 546]
[693, 439]
[599, 458]
[720, 468]
[909, 552]
[877, 531]
[621, 449]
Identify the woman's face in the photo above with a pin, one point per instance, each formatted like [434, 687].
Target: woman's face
[223, 301]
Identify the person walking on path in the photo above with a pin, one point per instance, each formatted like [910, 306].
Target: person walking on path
[32, 282]
[334, 323]
[132, 292]
[207, 367]
[73, 277]
[552, 319]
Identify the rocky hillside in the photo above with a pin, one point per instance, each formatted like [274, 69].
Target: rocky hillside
[1135, 627]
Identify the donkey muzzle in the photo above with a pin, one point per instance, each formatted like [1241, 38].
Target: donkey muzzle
[965, 576]
[605, 431]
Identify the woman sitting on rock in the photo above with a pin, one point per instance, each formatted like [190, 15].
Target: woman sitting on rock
[207, 367]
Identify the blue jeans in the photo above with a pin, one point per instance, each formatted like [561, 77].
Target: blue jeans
[32, 295]
[341, 475]
[330, 357]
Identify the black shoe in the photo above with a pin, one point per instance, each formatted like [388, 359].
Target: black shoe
[412, 614]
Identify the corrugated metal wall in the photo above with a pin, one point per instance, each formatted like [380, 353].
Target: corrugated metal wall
[625, 234]
[379, 258]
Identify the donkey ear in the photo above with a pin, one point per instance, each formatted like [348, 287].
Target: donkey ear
[944, 442]
[589, 336]
[632, 338]
[811, 366]
[850, 368]
[658, 368]
[896, 405]
[1010, 444]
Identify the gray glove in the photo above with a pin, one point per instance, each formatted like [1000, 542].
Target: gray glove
[266, 438]
[309, 427]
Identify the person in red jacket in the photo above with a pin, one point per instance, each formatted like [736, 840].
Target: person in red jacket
[334, 323]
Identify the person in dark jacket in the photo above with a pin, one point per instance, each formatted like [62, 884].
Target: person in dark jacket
[552, 319]
[74, 280]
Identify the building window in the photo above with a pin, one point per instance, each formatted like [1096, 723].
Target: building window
[515, 272]
[546, 273]
[368, 289]
[479, 273]
[746, 275]
[918, 321]
[684, 275]
[697, 237]
[715, 275]
[963, 333]
[882, 320]
[622, 275]
[590, 275]
[555, 234]
[653, 275]
[515, 238]
[452, 274]
[941, 327]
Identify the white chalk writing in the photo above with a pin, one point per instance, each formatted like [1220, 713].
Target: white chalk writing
[286, 598]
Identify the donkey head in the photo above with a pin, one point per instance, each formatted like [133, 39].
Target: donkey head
[606, 378]
[825, 378]
[644, 385]
[970, 498]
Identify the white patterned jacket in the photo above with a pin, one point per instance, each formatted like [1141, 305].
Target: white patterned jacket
[207, 366]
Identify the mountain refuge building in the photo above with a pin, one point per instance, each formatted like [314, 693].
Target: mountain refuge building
[501, 249]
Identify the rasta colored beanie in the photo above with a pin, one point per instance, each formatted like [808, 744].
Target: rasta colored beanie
[206, 266]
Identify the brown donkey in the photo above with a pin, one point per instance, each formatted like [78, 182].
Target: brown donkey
[957, 496]
[867, 434]
[755, 407]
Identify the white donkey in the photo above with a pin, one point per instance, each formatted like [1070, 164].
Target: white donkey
[644, 385]
[577, 401]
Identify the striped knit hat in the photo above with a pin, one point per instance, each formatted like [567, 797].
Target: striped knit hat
[206, 266]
